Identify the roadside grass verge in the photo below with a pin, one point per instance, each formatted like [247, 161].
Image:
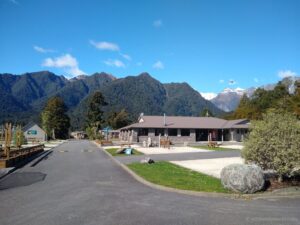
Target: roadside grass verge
[213, 148]
[170, 175]
[112, 151]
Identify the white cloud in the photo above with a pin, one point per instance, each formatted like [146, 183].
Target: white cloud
[114, 62]
[208, 95]
[231, 82]
[66, 62]
[256, 80]
[139, 63]
[42, 50]
[125, 56]
[157, 23]
[221, 81]
[286, 73]
[103, 45]
[158, 65]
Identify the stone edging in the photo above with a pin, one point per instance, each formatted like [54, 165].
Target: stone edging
[194, 193]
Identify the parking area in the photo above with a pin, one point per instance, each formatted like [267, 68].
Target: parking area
[212, 167]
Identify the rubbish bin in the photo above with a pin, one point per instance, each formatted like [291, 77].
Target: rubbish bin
[128, 151]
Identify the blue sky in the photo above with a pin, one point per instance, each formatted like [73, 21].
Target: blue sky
[209, 44]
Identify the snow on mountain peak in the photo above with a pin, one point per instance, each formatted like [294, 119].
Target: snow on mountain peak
[208, 95]
[239, 91]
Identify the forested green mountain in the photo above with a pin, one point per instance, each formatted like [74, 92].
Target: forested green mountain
[24, 96]
[182, 99]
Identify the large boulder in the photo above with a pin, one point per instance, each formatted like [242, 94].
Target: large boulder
[243, 178]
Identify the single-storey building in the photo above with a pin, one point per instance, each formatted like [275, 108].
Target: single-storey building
[34, 133]
[181, 129]
[109, 133]
[78, 134]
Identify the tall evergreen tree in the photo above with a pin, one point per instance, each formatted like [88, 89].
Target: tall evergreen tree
[206, 113]
[94, 116]
[55, 121]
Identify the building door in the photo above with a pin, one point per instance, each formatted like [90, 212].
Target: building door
[201, 135]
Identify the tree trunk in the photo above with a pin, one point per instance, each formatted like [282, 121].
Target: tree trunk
[280, 179]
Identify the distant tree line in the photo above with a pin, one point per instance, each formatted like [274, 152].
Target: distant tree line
[56, 122]
[262, 100]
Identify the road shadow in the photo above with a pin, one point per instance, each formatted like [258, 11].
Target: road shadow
[19, 179]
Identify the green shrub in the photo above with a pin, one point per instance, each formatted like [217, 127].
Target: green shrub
[274, 143]
[93, 133]
[18, 137]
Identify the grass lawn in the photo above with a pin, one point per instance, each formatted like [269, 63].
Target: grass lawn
[112, 151]
[171, 175]
[213, 148]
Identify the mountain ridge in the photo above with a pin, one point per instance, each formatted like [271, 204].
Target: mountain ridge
[24, 96]
[229, 99]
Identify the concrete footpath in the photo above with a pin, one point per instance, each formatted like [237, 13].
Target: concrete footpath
[212, 167]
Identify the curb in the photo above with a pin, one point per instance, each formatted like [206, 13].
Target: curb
[196, 193]
[7, 171]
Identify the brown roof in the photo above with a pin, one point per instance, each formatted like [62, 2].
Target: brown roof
[240, 123]
[183, 122]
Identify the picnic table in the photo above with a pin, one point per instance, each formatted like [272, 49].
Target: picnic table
[212, 144]
[165, 143]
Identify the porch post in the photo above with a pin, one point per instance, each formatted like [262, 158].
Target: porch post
[208, 136]
[222, 135]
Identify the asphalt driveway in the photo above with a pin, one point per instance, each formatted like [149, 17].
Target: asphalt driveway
[79, 184]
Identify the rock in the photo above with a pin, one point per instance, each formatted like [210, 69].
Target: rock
[147, 160]
[243, 178]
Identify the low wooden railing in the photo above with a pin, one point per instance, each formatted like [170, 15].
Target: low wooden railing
[16, 156]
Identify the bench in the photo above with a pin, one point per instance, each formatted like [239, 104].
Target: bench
[106, 143]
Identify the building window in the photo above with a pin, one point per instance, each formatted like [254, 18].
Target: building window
[159, 131]
[32, 132]
[185, 132]
[172, 132]
[238, 131]
[143, 132]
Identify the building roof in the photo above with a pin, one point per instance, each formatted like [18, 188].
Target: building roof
[29, 125]
[240, 123]
[186, 122]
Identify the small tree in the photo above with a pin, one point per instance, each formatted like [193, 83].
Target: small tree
[92, 133]
[274, 143]
[118, 119]
[19, 138]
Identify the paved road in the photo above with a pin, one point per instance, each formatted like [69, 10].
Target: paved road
[78, 184]
[181, 156]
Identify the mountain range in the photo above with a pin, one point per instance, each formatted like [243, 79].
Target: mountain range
[229, 99]
[24, 96]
